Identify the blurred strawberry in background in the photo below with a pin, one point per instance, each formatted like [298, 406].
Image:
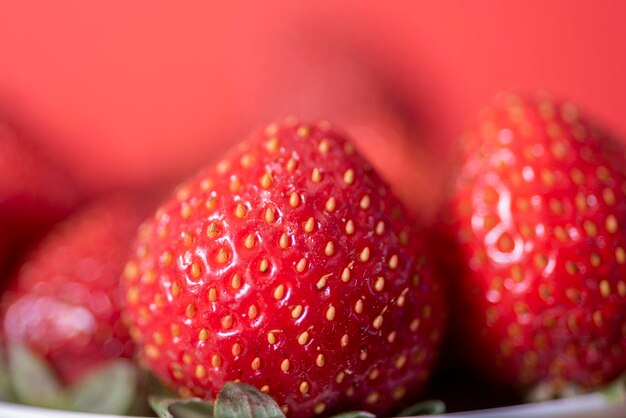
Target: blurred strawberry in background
[33, 195]
[61, 314]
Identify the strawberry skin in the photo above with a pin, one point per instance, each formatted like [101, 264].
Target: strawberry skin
[291, 267]
[33, 195]
[65, 303]
[540, 217]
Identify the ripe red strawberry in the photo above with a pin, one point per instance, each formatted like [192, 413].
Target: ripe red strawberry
[540, 216]
[291, 267]
[65, 302]
[33, 195]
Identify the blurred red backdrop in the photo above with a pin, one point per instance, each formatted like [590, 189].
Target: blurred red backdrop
[137, 93]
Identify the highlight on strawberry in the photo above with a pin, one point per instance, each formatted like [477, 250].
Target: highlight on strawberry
[288, 266]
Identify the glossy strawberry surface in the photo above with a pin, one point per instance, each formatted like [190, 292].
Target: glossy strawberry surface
[65, 302]
[540, 216]
[289, 266]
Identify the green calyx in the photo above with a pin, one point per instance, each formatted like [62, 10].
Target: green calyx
[107, 389]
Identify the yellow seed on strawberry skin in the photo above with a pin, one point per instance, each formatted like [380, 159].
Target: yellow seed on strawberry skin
[252, 311]
[605, 288]
[152, 351]
[266, 180]
[216, 361]
[131, 270]
[249, 241]
[316, 176]
[291, 165]
[358, 306]
[272, 145]
[195, 270]
[212, 294]
[303, 338]
[227, 321]
[294, 200]
[200, 371]
[246, 161]
[240, 210]
[270, 215]
[132, 295]
[365, 201]
[319, 408]
[348, 176]
[309, 225]
[304, 387]
[330, 313]
[350, 227]
[235, 184]
[303, 131]
[378, 322]
[222, 256]
[301, 265]
[320, 360]
[279, 292]
[393, 262]
[236, 349]
[380, 228]
[364, 255]
[611, 224]
[329, 249]
[330, 205]
[256, 363]
[344, 340]
[324, 146]
[284, 241]
[296, 311]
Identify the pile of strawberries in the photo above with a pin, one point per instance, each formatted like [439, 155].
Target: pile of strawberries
[287, 278]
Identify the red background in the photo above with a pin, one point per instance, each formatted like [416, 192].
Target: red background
[131, 93]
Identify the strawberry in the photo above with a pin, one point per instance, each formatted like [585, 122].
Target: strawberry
[540, 218]
[33, 195]
[291, 267]
[65, 303]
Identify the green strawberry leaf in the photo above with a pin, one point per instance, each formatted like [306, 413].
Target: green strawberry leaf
[160, 405]
[238, 400]
[430, 407]
[107, 389]
[6, 391]
[355, 414]
[34, 383]
[140, 406]
[615, 391]
[167, 407]
[193, 408]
